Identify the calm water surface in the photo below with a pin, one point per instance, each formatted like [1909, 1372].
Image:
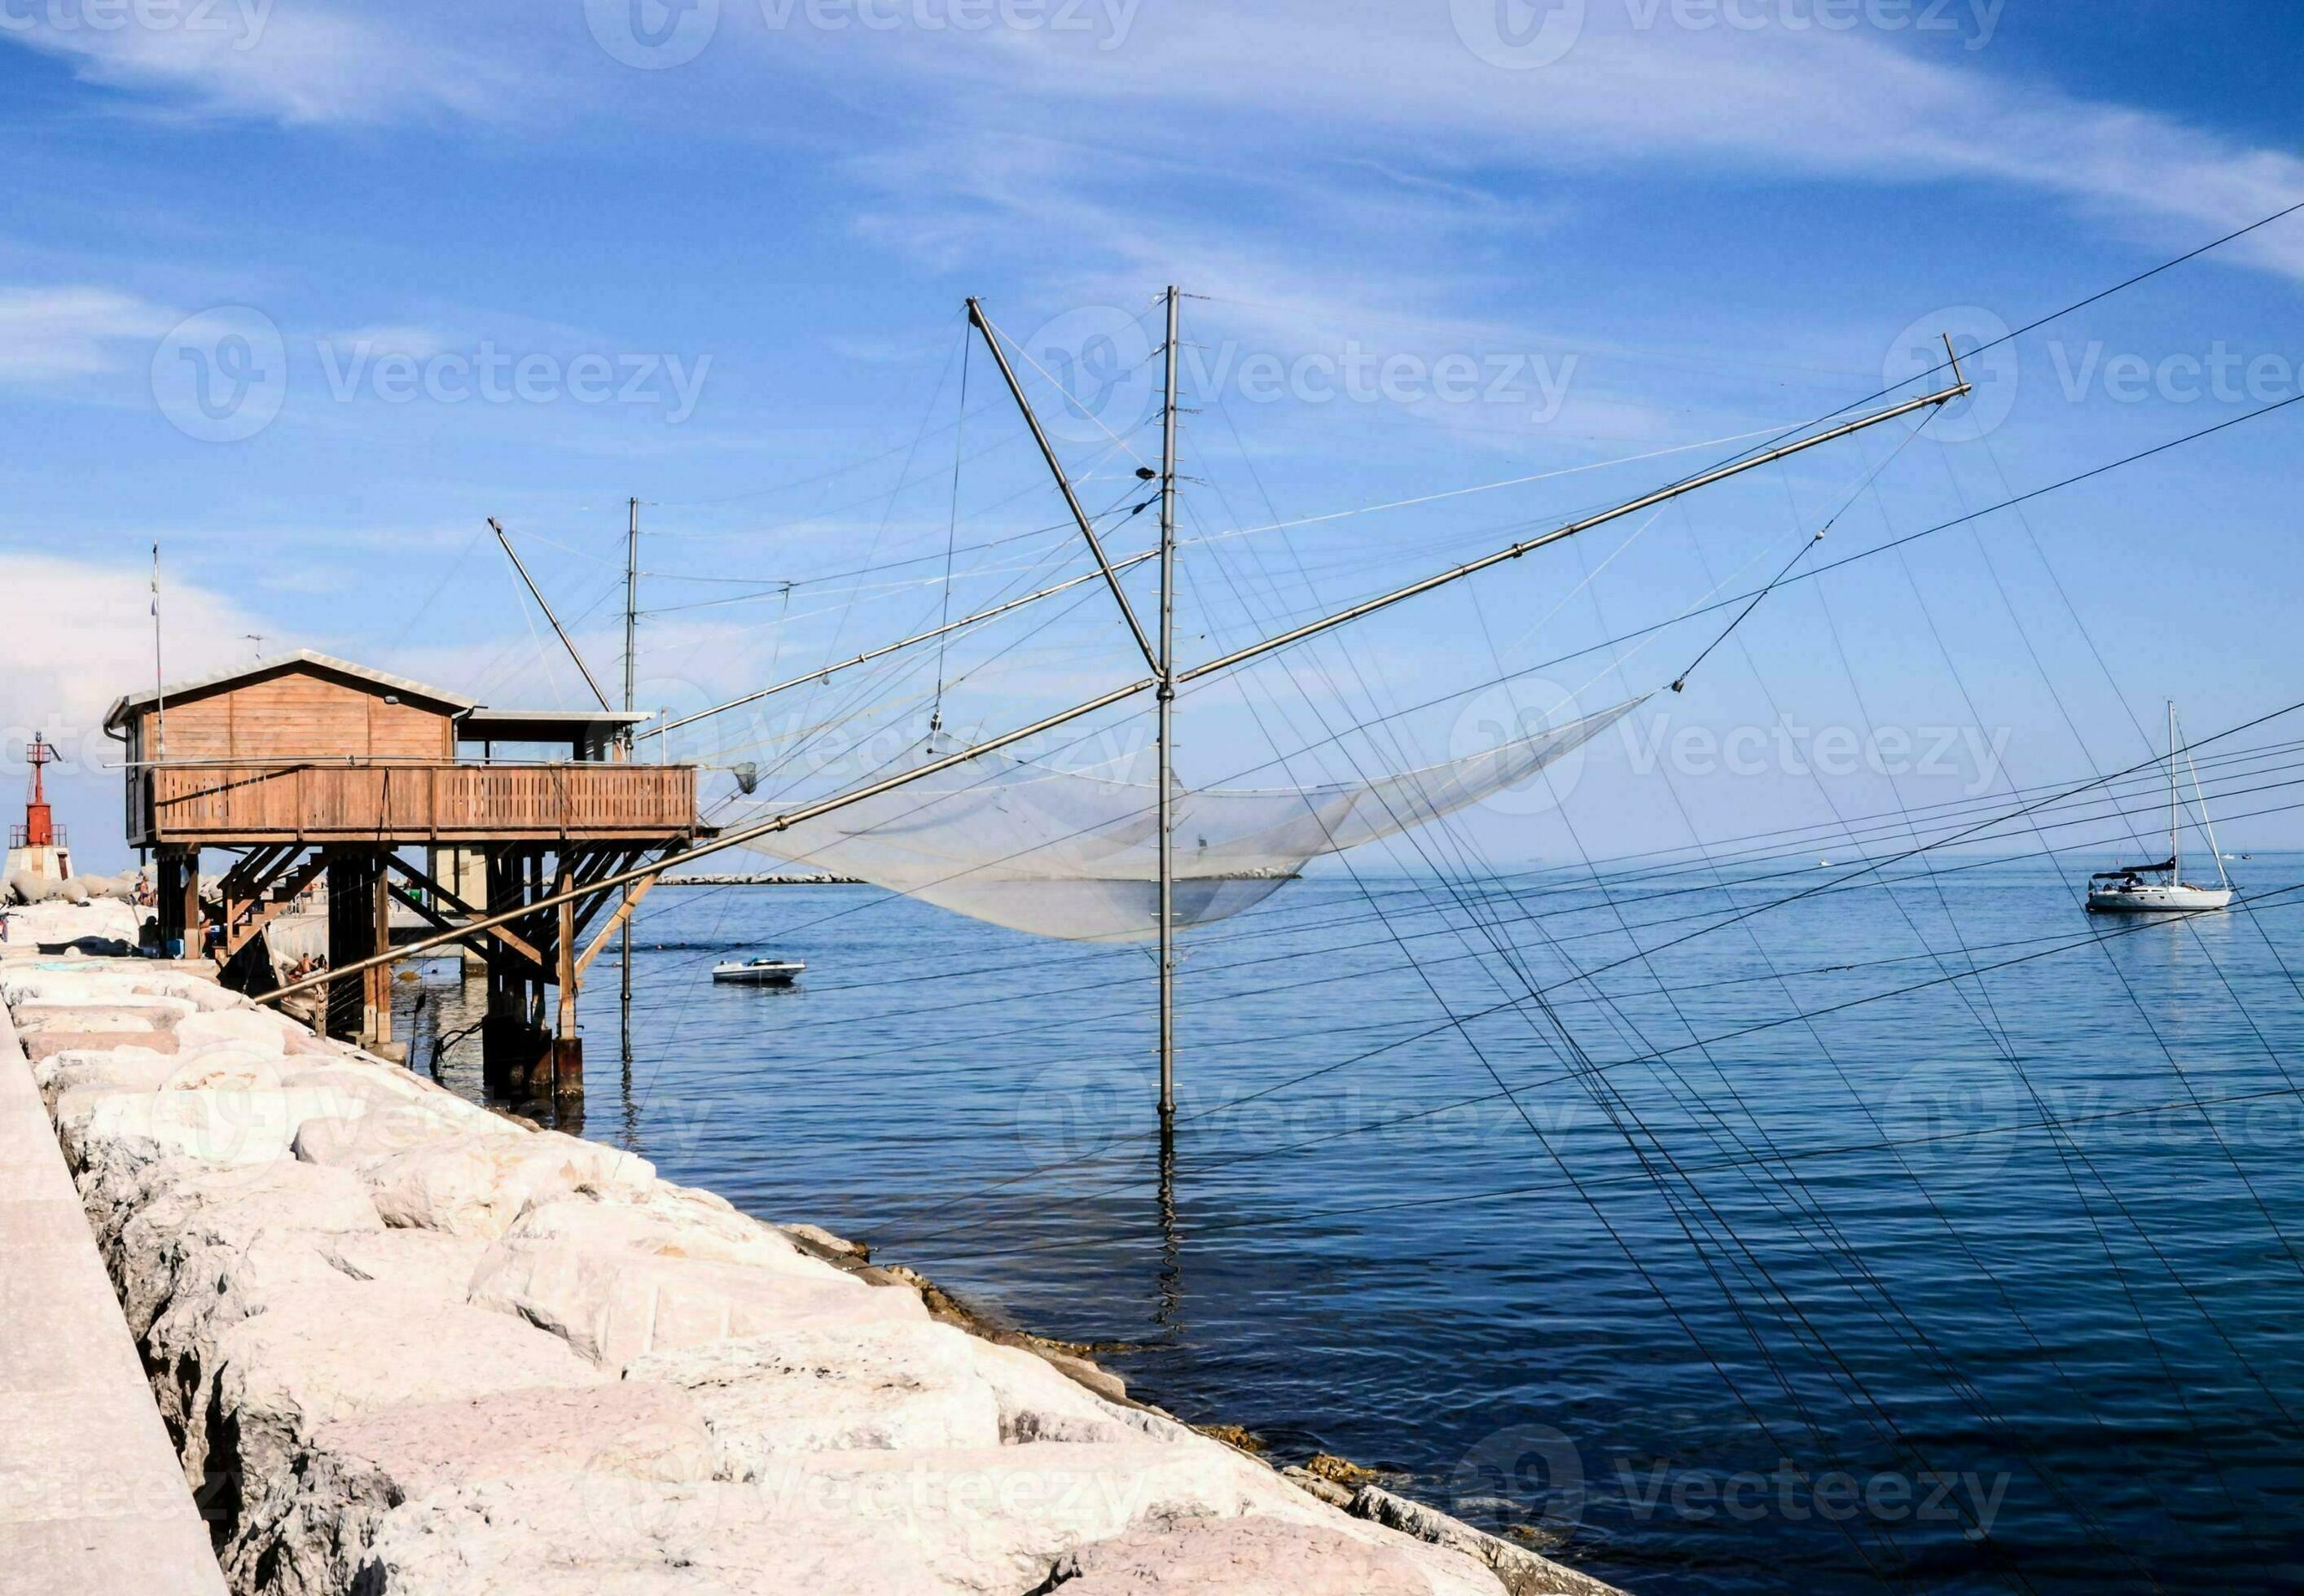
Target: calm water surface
[1720, 1299]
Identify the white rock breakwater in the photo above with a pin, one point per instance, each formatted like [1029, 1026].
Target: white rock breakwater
[407, 1346]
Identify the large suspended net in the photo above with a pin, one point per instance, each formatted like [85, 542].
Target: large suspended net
[1060, 854]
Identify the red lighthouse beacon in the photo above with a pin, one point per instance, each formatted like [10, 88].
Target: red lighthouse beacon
[37, 848]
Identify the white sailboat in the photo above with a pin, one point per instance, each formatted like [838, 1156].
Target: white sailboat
[2128, 891]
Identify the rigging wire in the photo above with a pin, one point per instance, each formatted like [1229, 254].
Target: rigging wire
[952, 533]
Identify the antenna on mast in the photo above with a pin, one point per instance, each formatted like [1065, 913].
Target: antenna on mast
[159, 679]
[1952, 355]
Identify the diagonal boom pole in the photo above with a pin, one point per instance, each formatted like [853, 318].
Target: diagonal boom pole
[537, 594]
[1071, 500]
[1384, 602]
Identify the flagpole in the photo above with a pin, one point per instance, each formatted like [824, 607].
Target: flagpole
[159, 678]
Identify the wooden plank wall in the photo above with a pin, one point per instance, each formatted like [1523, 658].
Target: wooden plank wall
[300, 715]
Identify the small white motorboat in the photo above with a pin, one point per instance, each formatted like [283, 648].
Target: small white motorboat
[2127, 892]
[758, 972]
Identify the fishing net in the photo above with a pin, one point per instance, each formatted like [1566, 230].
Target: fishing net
[1060, 854]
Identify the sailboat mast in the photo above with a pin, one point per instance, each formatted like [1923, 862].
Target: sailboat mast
[2175, 843]
[1167, 710]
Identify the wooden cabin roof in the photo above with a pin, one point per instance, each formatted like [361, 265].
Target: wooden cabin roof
[305, 660]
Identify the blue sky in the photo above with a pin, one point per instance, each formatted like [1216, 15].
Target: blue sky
[427, 264]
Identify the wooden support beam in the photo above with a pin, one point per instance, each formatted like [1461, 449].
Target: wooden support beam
[176, 874]
[503, 934]
[563, 951]
[290, 887]
[476, 940]
[631, 901]
[377, 995]
[598, 868]
[255, 867]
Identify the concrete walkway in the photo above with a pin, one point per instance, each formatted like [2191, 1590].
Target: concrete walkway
[92, 1498]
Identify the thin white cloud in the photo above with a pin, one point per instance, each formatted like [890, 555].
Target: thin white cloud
[1234, 90]
[1301, 88]
[304, 62]
[55, 334]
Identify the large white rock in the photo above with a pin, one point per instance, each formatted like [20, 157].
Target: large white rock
[392, 1125]
[666, 1222]
[591, 1534]
[246, 1127]
[998, 1520]
[225, 1066]
[351, 1472]
[338, 1350]
[880, 1386]
[255, 1030]
[422, 1263]
[380, 1080]
[110, 1018]
[199, 1208]
[479, 1184]
[1245, 1557]
[1039, 1404]
[200, 993]
[48, 924]
[87, 1072]
[613, 1306]
[216, 1288]
[57, 981]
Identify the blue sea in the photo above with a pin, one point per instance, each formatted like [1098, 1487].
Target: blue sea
[1751, 1254]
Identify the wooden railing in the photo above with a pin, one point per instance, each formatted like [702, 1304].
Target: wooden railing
[411, 801]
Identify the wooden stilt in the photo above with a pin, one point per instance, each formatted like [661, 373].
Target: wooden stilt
[567, 1047]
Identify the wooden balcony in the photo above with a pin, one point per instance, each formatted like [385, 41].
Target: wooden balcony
[411, 801]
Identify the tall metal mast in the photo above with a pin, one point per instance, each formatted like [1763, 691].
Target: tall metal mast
[631, 655]
[1167, 701]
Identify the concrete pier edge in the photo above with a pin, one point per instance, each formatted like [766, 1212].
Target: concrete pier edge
[92, 1497]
